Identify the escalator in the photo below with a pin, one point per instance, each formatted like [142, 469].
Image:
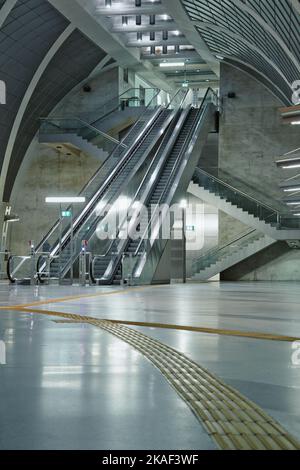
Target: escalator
[169, 175]
[103, 190]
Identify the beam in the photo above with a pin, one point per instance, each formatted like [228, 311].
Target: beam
[82, 14]
[176, 10]
[152, 9]
[84, 20]
[144, 28]
[183, 55]
[175, 41]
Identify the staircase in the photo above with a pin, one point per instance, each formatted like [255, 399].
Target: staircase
[76, 136]
[244, 208]
[219, 259]
[268, 225]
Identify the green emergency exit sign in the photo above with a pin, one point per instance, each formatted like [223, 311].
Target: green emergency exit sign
[66, 214]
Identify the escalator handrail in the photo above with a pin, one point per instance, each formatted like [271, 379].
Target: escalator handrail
[89, 209]
[146, 177]
[175, 166]
[56, 225]
[10, 275]
[137, 143]
[12, 279]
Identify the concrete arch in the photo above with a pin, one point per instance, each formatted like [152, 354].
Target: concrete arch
[14, 131]
[6, 9]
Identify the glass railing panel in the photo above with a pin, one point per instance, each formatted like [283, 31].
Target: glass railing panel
[88, 227]
[145, 244]
[221, 252]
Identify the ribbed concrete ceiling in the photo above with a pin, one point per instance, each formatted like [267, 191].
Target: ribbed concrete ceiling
[259, 36]
[149, 27]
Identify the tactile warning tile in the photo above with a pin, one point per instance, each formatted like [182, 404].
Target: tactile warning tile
[233, 421]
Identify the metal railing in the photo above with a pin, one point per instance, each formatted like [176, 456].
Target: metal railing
[220, 252]
[223, 189]
[176, 103]
[265, 212]
[76, 126]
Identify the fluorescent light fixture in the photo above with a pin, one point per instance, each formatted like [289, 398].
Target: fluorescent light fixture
[295, 203]
[297, 215]
[64, 200]
[290, 167]
[291, 190]
[289, 163]
[295, 123]
[172, 64]
[220, 57]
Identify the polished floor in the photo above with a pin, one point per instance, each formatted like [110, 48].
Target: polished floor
[74, 386]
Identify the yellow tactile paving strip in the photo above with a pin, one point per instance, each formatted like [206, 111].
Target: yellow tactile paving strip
[232, 421]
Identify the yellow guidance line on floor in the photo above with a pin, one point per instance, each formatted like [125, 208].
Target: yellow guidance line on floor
[78, 297]
[232, 421]
[214, 331]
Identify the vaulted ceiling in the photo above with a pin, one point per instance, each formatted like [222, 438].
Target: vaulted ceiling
[49, 46]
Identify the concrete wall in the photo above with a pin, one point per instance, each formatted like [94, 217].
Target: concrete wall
[252, 136]
[104, 87]
[45, 172]
[251, 139]
[276, 263]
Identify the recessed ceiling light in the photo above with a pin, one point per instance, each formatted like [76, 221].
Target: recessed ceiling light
[220, 57]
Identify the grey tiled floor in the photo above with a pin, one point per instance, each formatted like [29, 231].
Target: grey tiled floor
[76, 387]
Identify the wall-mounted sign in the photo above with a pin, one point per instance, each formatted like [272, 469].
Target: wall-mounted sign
[66, 214]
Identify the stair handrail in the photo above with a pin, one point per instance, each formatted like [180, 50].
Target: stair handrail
[85, 124]
[119, 98]
[112, 100]
[218, 248]
[238, 191]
